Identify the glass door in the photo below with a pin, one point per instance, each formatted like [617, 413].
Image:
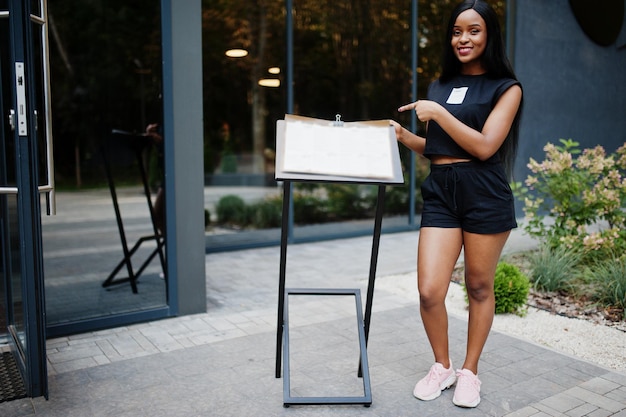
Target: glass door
[25, 167]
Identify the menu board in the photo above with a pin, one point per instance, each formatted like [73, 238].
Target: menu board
[309, 148]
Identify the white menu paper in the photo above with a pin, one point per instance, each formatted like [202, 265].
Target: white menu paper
[353, 149]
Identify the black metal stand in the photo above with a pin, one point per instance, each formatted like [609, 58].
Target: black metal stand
[366, 399]
[363, 322]
[137, 143]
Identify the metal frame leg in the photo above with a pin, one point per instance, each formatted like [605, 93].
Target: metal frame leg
[366, 399]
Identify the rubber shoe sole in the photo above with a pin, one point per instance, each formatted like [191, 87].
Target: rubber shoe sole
[472, 404]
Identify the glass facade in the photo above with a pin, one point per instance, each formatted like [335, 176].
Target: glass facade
[349, 58]
[106, 65]
[103, 251]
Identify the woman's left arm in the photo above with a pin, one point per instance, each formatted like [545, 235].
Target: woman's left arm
[481, 144]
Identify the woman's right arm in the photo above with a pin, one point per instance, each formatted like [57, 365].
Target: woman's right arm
[409, 139]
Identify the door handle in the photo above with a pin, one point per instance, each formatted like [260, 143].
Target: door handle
[8, 190]
[20, 122]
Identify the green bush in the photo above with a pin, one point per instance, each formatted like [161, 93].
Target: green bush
[267, 213]
[577, 192]
[396, 200]
[574, 203]
[553, 269]
[308, 208]
[229, 162]
[350, 201]
[231, 209]
[608, 283]
[511, 289]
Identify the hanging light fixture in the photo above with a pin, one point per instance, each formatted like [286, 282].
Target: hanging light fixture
[236, 53]
[269, 82]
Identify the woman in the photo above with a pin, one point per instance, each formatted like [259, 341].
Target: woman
[472, 116]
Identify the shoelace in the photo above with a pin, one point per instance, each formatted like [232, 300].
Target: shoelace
[466, 381]
[433, 375]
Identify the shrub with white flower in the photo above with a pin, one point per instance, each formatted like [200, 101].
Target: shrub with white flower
[577, 201]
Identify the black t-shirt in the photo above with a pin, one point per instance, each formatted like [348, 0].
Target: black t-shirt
[469, 98]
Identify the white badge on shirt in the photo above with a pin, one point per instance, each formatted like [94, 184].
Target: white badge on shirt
[457, 95]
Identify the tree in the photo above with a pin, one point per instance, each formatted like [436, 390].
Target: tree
[351, 57]
[100, 52]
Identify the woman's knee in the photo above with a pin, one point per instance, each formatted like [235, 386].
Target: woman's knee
[431, 296]
[479, 289]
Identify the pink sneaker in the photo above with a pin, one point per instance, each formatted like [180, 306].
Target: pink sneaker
[437, 379]
[467, 392]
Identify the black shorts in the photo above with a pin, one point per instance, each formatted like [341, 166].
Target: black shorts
[473, 196]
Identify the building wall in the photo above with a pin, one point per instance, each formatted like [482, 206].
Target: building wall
[184, 179]
[573, 87]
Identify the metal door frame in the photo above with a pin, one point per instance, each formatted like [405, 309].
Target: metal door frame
[30, 357]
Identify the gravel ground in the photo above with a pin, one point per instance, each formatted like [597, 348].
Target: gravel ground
[596, 343]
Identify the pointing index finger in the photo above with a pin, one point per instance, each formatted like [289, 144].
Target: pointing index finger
[406, 107]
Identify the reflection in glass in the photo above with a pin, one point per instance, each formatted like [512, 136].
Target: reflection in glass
[350, 58]
[105, 65]
[16, 309]
[12, 314]
[36, 8]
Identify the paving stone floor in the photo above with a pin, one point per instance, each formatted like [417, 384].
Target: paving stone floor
[222, 363]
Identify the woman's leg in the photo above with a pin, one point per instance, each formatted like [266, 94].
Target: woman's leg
[437, 254]
[481, 253]
[159, 211]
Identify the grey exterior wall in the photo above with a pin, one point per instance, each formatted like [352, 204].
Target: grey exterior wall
[184, 165]
[573, 88]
